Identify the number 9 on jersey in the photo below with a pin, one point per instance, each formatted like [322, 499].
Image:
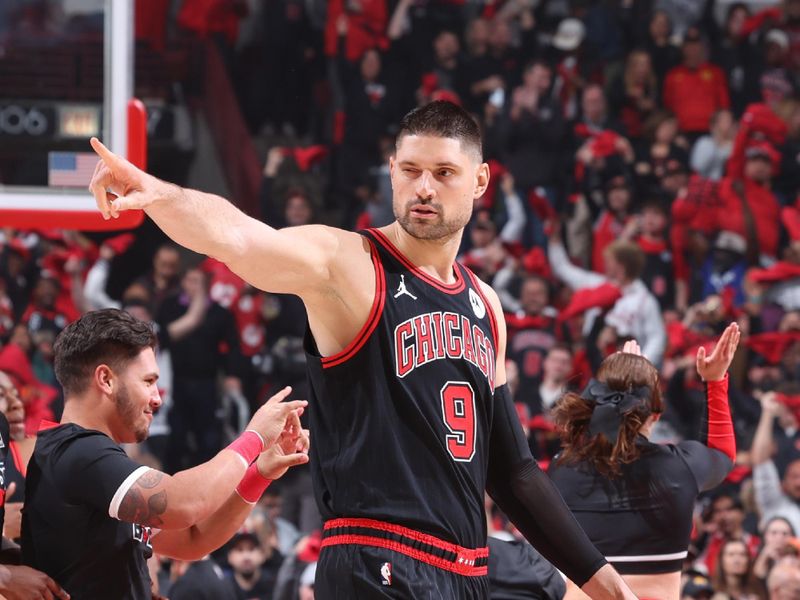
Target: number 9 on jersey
[458, 412]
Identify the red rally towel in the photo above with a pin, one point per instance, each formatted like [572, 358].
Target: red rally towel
[780, 271]
[772, 345]
[602, 296]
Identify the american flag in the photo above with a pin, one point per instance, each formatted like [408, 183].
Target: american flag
[70, 169]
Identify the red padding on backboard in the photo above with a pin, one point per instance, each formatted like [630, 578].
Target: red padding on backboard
[91, 220]
[137, 133]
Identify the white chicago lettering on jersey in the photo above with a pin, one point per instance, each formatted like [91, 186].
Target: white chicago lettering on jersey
[442, 335]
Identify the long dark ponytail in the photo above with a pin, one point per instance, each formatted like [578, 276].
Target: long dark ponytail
[629, 384]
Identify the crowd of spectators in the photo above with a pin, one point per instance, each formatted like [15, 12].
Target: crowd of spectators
[645, 168]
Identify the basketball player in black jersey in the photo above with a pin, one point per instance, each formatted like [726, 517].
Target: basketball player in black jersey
[410, 413]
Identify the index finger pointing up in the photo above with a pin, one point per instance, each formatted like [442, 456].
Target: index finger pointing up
[107, 155]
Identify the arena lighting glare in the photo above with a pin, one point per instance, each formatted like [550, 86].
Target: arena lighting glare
[78, 120]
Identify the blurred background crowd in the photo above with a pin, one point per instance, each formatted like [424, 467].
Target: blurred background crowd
[645, 160]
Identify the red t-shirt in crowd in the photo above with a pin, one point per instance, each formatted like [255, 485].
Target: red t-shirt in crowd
[765, 208]
[607, 229]
[367, 21]
[694, 95]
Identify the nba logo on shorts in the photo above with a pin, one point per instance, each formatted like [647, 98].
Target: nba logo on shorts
[386, 573]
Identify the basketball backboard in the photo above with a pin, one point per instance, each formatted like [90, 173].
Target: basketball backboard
[66, 74]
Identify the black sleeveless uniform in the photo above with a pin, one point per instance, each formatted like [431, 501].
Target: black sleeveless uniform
[401, 421]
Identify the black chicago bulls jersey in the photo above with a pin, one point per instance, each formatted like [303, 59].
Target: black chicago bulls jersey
[401, 417]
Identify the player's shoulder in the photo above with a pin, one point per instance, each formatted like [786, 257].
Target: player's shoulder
[492, 297]
[339, 247]
[326, 233]
[70, 440]
[488, 291]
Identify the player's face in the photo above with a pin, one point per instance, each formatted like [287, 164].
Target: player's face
[435, 182]
[137, 396]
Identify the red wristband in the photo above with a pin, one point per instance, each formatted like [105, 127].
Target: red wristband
[248, 445]
[252, 485]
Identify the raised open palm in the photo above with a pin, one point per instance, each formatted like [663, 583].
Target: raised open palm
[714, 367]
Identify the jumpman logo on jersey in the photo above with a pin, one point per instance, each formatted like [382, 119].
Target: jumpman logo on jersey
[402, 289]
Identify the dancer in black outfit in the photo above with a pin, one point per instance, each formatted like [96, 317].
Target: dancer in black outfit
[632, 497]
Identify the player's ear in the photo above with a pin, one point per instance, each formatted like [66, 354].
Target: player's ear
[104, 378]
[481, 180]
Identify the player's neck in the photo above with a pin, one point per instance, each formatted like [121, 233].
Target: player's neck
[434, 257]
[76, 411]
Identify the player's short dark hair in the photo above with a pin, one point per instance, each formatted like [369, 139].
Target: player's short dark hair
[109, 336]
[443, 119]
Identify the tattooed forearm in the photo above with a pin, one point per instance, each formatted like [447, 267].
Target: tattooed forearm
[144, 510]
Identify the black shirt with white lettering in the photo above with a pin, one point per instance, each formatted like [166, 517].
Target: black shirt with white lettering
[76, 479]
